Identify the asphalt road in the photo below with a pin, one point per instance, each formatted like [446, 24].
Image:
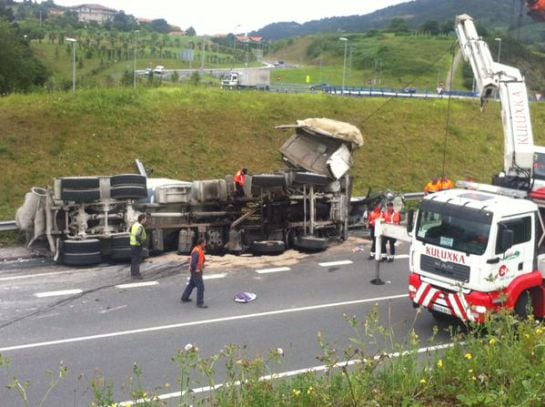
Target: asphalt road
[90, 322]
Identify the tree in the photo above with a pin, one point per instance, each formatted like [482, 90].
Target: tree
[398, 25]
[160, 25]
[191, 32]
[430, 27]
[20, 71]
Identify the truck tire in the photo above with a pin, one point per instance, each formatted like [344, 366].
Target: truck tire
[80, 252]
[523, 307]
[310, 243]
[82, 196]
[120, 248]
[80, 183]
[268, 247]
[269, 180]
[310, 178]
[129, 192]
[128, 179]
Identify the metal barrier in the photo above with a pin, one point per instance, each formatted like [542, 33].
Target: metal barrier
[8, 225]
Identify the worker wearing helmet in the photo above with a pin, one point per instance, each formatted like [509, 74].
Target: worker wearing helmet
[445, 183]
[432, 186]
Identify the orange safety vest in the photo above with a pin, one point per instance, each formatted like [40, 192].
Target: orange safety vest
[240, 178]
[373, 216]
[202, 258]
[446, 184]
[430, 187]
[392, 217]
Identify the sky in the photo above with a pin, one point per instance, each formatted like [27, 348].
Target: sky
[209, 17]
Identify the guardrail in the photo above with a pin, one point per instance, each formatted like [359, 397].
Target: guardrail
[8, 225]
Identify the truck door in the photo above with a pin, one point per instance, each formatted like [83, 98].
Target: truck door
[518, 259]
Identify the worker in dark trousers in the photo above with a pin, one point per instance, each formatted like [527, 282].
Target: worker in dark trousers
[371, 219]
[137, 239]
[240, 182]
[196, 266]
[390, 216]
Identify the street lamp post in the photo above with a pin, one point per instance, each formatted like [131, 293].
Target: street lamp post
[134, 64]
[73, 41]
[499, 48]
[344, 63]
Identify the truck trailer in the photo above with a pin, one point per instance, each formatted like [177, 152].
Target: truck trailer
[256, 78]
[84, 220]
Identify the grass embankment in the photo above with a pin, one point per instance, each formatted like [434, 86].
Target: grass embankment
[194, 133]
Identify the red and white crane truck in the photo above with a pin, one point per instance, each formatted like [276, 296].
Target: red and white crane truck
[478, 248]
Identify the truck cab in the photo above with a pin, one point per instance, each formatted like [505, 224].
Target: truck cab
[474, 251]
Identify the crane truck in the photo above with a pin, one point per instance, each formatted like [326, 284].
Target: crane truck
[478, 248]
[84, 220]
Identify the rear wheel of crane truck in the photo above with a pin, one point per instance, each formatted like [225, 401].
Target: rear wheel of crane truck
[268, 247]
[80, 252]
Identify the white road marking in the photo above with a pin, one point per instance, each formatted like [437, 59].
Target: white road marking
[401, 256]
[335, 263]
[138, 285]
[273, 270]
[291, 373]
[214, 276]
[58, 293]
[197, 323]
[35, 275]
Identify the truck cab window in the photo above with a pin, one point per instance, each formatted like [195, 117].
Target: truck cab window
[522, 231]
[539, 166]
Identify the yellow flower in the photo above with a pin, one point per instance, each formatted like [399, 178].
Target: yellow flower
[310, 390]
[440, 363]
[468, 356]
[492, 341]
[527, 336]
[423, 381]
[539, 331]
[473, 378]
[296, 392]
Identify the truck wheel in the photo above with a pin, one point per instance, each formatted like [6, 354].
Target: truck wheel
[268, 247]
[129, 192]
[80, 189]
[269, 180]
[215, 241]
[310, 243]
[89, 195]
[80, 183]
[80, 252]
[128, 179]
[311, 178]
[120, 248]
[522, 309]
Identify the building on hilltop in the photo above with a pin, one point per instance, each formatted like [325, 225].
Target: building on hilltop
[94, 12]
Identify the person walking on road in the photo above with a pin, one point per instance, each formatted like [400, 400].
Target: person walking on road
[390, 216]
[373, 217]
[196, 266]
[137, 239]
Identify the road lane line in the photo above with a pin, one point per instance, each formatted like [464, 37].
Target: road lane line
[58, 293]
[273, 270]
[290, 373]
[55, 273]
[138, 285]
[197, 323]
[335, 263]
[214, 276]
[401, 256]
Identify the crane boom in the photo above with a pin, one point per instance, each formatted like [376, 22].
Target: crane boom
[494, 79]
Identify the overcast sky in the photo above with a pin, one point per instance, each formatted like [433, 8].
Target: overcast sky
[221, 17]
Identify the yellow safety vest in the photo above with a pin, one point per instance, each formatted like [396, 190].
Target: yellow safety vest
[138, 234]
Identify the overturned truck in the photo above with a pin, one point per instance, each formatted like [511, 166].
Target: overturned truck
[85, 220]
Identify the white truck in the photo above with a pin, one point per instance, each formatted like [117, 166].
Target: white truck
[478, 248]
[85, 220]
[256, 78]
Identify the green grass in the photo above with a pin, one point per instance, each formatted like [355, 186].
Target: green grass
[199, 133]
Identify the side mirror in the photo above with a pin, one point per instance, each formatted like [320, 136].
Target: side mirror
[410, 220]
[506, 241]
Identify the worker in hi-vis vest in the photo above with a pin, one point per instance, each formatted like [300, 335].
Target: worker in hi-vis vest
[138, 237]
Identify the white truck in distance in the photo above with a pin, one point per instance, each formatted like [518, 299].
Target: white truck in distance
[477, 250]
[247, 79]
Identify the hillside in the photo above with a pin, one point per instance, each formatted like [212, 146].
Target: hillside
[195, 133]
[499, 15]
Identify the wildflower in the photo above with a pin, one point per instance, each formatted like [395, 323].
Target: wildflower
[280, 351]
[473, 378]
[527, 336]
[539, 331]
[310, 390]
[188, 347]
[296, 392]
[468, 356]
[440, 364]
[423, 381]
[492, 341]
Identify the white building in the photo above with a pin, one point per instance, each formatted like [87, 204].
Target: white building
[94, 12]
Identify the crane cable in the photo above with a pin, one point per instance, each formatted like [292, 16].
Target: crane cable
[451, 76]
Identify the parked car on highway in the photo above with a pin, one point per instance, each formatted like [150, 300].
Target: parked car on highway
[159, 70]
[320, 86]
